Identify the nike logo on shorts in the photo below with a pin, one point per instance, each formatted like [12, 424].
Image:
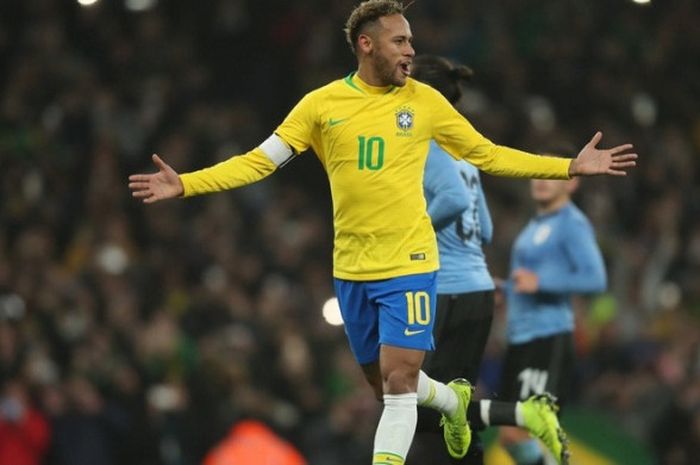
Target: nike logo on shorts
[408, 332]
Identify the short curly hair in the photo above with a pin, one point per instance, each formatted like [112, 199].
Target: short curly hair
[367, 13]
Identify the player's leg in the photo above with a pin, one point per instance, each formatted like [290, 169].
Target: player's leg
[399, 369]
[531, 372]
[522, 448]
[361, 324]
[406, 318]
[462, 326]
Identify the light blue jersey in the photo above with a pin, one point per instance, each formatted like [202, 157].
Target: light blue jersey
[561, 248]
[460, 216]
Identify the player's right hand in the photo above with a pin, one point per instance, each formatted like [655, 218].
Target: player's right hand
[525, 281]
[593, 161]
[150, 188]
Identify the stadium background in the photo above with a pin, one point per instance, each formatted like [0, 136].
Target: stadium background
[141, 334]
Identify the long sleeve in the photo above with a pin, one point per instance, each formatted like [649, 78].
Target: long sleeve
[485, 218]
[448, 193]
[458, 137]
[295, 132]
[584, 270]
[235, 172]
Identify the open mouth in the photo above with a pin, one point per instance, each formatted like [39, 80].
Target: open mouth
[405, 68]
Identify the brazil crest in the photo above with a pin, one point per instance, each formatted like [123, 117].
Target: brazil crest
[404, 120]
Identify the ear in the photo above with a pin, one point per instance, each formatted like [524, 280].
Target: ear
[364, 43]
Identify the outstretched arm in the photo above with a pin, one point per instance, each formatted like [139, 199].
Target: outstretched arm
[592, 161]
[291, 137]
[458, 137]
[165, 184]
[237, 171]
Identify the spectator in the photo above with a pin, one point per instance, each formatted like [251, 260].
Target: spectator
[250, 441]
[24, 431]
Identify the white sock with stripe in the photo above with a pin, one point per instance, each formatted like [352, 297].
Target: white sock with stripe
[436, 395]
[396, 429]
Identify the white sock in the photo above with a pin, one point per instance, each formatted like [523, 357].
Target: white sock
[519, 417]
[497, 413]
[396, 429]
[485, 411]
[436, 395]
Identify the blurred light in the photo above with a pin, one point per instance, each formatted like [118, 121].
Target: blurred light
[163, 397]
[643, 109]
[87, 2]
[541, 114]
[139, 5]
[12, 307]
[669, 296]
[641, 2]
[214, 278]
[331, 312]
[112, 259]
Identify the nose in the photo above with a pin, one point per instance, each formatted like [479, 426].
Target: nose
[410, 51]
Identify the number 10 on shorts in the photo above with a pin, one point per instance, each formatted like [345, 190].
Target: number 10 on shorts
[418, 305]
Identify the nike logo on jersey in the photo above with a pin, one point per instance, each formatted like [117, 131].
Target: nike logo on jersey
[408, 332]
[334, 122]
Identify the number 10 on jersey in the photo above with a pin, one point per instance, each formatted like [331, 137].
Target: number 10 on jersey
[370, 153]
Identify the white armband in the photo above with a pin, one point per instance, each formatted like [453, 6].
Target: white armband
[277, 150]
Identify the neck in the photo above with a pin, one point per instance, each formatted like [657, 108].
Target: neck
[369, 75]
[554, 205]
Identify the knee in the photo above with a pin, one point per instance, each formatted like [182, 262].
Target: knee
[401, 381]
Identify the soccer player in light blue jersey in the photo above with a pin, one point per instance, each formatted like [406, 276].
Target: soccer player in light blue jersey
[555, 255]
[465, 290]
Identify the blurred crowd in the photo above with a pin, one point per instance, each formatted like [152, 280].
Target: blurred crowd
[134, 334]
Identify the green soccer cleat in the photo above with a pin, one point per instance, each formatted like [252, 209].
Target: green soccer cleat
[540, 415]
[456, 430]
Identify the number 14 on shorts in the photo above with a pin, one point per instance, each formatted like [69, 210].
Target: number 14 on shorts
[532, 381]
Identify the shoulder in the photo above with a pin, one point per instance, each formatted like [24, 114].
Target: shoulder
[421, 89]
[332, 88]
[320, 92]
[575, 218]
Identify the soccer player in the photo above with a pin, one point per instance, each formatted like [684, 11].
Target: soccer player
[465, 291]
[371, 131]
[554, 256]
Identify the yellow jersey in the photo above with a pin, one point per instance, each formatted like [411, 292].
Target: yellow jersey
[373, 143]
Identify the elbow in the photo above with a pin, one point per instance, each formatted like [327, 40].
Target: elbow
[597, 284]
[456, 205]
[486, 236]
[602, 284]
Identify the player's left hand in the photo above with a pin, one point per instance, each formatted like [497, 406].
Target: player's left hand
[592, 160]
[525, 281]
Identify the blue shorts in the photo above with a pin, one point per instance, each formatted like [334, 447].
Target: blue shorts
[397, 312]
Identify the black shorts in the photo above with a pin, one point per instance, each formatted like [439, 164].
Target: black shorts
[462, 326]
[541, 365]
